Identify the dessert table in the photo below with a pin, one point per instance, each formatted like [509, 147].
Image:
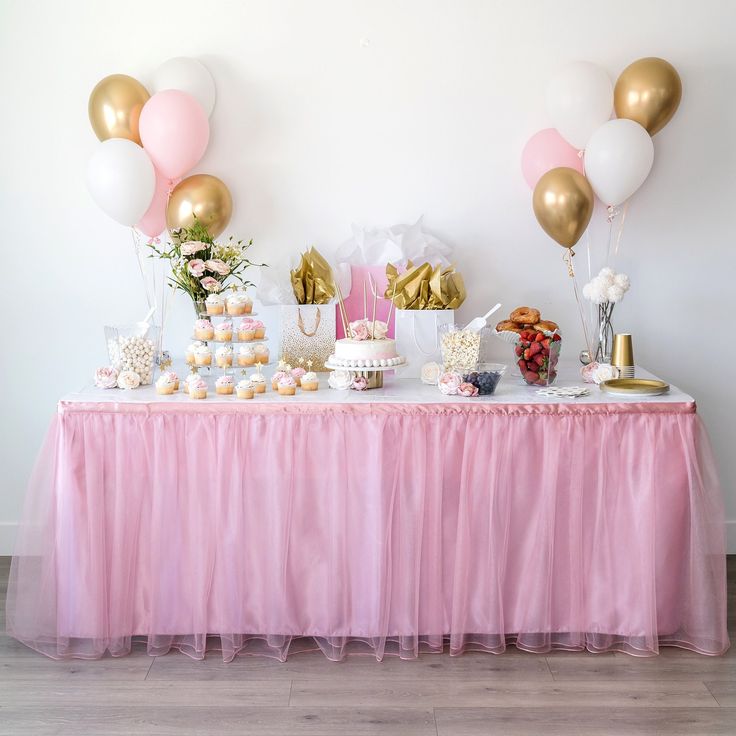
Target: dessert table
[392, 521]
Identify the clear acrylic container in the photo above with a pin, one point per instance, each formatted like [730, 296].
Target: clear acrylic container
[133, 347]
[462, 349]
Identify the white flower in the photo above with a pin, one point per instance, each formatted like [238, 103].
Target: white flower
[340, 380]
[622, 280]
[615, 293]
[128, 379]
[106, 377]
[604, 372]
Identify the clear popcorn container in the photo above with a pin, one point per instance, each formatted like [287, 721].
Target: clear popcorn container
[133, 347]
[462, 349]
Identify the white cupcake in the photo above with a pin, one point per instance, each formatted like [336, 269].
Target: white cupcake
[224, 356]
[238, 303]
[245, 389]
[215, 304]
[202, 355]
[246, 355]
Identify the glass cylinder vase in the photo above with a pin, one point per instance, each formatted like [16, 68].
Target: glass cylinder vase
[605, 333]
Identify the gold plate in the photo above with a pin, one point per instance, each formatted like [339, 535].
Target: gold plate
[635, 386]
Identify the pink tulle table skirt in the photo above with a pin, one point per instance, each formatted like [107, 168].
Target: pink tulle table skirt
[386, 529]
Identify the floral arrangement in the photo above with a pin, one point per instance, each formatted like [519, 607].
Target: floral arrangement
[606, 290]
[365, 329]
[201, 266]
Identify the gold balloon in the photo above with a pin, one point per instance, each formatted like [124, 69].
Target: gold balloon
[204, 197]
[649, 92]
[563, 205]
[115, 106]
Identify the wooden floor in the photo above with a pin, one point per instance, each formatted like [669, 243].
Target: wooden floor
[514, 693]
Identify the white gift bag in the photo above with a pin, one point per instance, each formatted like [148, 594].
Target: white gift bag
[308, 332]
[417, 337]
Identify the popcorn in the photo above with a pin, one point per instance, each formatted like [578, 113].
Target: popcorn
[460, 350]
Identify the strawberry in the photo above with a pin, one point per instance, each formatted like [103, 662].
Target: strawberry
[556, 337]
[539, 336]
[528, 354]
[518, 350]
[540, 360]
[534, 348]
[545, 343]
[522, 365]
[531, 377]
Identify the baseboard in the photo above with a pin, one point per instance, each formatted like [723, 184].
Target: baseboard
[8, 530]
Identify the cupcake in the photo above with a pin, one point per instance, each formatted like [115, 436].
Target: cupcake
[261, 354]
[203, 329]
[276, 377]
[224, 356]
[245, 389]
[246, 330]
[297, 374]
[166, 385]
[287, 385]
[238, 303]
[224, 385]
[189, 355]
[189, 380]
[202, 355]
[174, 378]
[198, 388]
[214, 304]
[246, 355]
[224, 331]
[310, 381]
[260, 329]
[259, 383]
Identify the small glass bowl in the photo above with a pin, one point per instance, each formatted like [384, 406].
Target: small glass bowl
[485, 377]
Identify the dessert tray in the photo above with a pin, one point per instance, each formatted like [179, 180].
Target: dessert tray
[234, 340]
[331, 365]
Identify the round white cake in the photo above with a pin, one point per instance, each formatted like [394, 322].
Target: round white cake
[351, 353]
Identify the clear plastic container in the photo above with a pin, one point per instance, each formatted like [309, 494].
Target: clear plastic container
[485, 377]
[537, 358]
[133, 347]
[462, 350]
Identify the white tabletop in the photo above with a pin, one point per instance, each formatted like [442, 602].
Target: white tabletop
[510, 390]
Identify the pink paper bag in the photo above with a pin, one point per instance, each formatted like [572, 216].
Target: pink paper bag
[354, 300]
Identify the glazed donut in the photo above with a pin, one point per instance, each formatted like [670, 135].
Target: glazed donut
[507, 325]
[525, 315]
[546, 325]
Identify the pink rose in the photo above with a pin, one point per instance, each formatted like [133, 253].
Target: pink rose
[587, 372]
[196, 267]
[106, 377]
[359, 330]
[380, 331]
[191, 247]
[217, 266]
[449, 383]
[360, 383]
[210, 284]
[467, 389]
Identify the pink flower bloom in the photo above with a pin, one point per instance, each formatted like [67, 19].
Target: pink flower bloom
[210, 284]
[359, 330]
[449, 383]
[467, 389]
[106, 377]
[217, 266]
[360, 383]
[196, 267]
[191, 247]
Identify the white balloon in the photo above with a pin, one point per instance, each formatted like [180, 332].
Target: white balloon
[579, 101]
[121, 179]
[618, 159]
[187, 75]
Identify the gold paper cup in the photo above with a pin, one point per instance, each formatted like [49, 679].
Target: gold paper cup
[622, 355]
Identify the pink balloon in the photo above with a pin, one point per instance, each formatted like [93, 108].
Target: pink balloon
[153, 222]
[174, 131]
[544, 151]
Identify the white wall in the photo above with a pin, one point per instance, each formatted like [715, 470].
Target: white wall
[332, 112]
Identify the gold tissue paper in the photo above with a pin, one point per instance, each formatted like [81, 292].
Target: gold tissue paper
[425, 287]
[312, 281]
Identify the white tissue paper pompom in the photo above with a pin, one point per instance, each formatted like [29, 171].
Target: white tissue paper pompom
[587, 292]
[615, 293]
[622, 280]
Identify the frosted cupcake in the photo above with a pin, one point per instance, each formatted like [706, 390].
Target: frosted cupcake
[238, 303]
[166, 385]
[224, 331]
[310, 381]
[214, 304]
[202, 355]
[287, 385]
[198, 389]
[246, 330]
[224, 356]
[224, 385]
[276, 377]
[189, 355]
[246, 355]
[203, 329]
[245, 389]
[297, 374]
[260, 329]
[259, 383]
[261, 354]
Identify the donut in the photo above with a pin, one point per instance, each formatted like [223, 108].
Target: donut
[546, 325]
[507, 325]
[525, 315]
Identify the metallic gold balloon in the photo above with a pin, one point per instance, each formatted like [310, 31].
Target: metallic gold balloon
[649, 92]
[563, 204]
[115, 106]
[203, 196]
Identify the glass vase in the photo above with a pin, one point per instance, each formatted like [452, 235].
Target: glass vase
[604, 334]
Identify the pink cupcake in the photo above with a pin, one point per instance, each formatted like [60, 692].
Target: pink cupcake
[203, 329]
[287, 385]
[260, 329]
[246, 330]
[297, 374]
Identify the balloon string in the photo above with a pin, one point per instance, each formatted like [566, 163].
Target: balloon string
[567, 257]
[621, 228]
[137, 251]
